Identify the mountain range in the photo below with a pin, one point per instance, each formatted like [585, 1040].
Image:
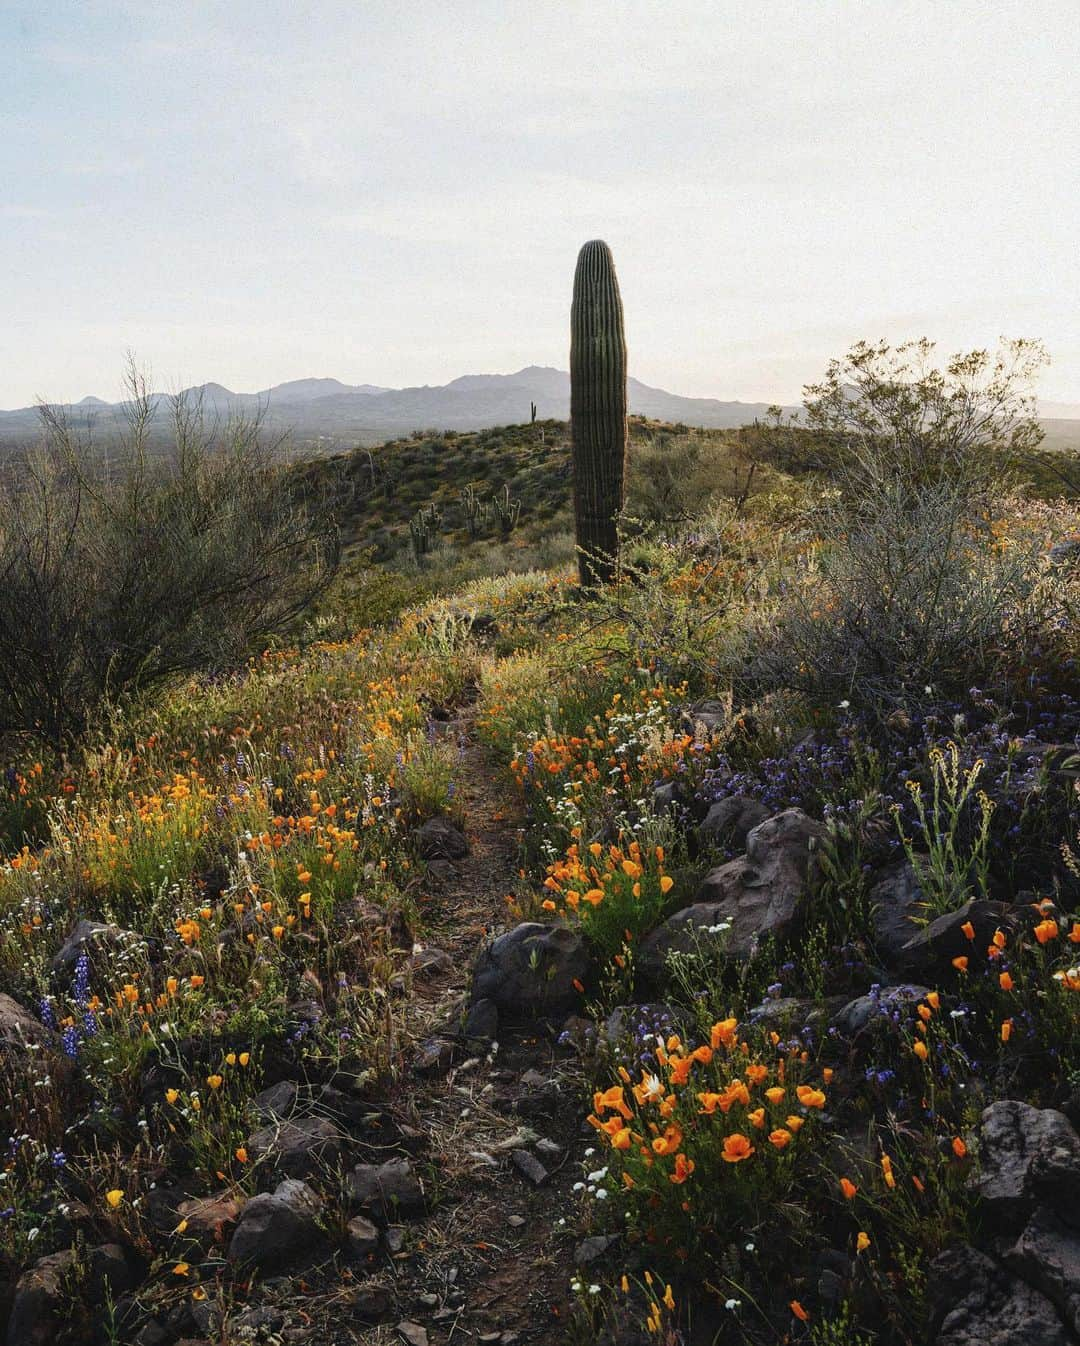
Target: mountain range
[331, 413]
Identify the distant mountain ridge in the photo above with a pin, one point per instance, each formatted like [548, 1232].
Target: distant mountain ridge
[326, 409]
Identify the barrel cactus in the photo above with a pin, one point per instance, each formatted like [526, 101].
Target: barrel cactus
[597, 411]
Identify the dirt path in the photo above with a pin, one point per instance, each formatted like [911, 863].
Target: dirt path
[492, 1263]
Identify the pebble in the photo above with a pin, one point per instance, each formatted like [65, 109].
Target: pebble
[413, 1334]
[531, 1167]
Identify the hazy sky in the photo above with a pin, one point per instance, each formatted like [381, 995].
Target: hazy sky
[394, 192]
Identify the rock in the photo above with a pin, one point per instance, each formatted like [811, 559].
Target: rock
[152, 1334]
[1047, 1256]
[531, 1167]
[539, 1096]
[631, 1029]
[412, 1334]
[667, 798]
[895, 901]
[208, 1220]
[394, 1239]
[782, 1012]
[28, 1049]
[931, 951]
[299, 1148]
[530, 971]
[887, 1004]
[730, 821]
[741, 903]
[90, 937]
[363, 1236]
[440, 839]
[1026, 1156]
[708, 714]
[277, 1227]
[41, 1301]
[388, 925]
[430, 962]
[277, 1101]
[108, 1273]
[482, 1021]
[516, 1221]
[386, 1189]
[588, 1250]
[434, 1057]
[974, 1303]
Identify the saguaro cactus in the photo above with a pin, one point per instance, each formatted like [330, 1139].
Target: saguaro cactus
[597, 411]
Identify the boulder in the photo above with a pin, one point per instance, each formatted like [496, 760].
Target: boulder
[1027, 1156]
[708, 714]
[974, 1303]
[363, 1236]
[896, 901]
[379, 922]
[209, 1220]
[890, 1004]
[277, 1227]
[29, 1049]
[299, 1148]
[1047, 1256]
[41, 1301]
[531, 970]
[109, 1274]
[482, 1021]
[730, 821]
[90, 937]
[389, 1189]
[930, 953]
[440, 839]
[278, 1101]
[758, 896]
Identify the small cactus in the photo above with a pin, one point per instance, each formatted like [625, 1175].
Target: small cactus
[597, 412]
[506, 511]
[532, 413]
[474, 510]
[423, 529]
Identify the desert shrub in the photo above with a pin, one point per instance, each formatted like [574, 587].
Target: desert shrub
[121, 569]
[905, 598]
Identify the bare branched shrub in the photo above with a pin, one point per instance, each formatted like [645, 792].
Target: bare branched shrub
[124, 566]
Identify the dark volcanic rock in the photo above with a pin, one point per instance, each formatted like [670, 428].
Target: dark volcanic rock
[301, 1147]
[93, 938]
[276, 1227]
[482, 1021]
[531, 970]
[41, 1301]
[866, 1010]
[896, 901]
[1027, 1156]
[440, 839]
[974, 1303]
[730, 821]
[208, 1220]
[741, 903]
[389, 1189]
[1047, 1256]
[930, 952]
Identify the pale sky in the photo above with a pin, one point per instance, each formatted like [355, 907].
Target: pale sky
[394, 191]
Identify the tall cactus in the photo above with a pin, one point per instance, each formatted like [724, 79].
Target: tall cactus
[597, 411]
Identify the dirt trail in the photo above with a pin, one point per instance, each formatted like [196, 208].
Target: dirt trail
[492, 1262]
